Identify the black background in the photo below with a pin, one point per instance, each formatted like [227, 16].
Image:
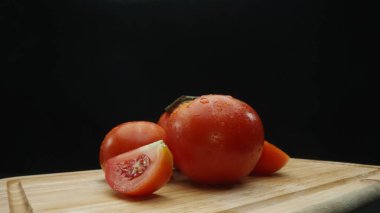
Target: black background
[71, 70]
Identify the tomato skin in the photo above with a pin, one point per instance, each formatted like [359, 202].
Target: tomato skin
[271, 160]
[163, 119]
[215, 139]
[128, 136]
[156, 175]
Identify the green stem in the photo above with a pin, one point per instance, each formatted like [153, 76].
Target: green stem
[178, 101]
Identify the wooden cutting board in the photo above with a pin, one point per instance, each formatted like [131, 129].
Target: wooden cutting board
[301, 186]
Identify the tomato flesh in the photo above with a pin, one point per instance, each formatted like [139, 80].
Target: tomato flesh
[133, 168]
[141, 171]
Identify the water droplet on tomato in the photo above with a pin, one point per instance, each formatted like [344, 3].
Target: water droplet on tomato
[218, 106]
[204, 101]
[250, 116]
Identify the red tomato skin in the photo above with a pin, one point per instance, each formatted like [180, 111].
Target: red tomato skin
[271, 160]
[215, 139]
[128, 136]
[163, 119]
[157, 175]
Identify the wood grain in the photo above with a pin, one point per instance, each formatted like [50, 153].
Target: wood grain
[302, 186]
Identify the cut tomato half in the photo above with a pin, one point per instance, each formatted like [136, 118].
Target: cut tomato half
[141, 171]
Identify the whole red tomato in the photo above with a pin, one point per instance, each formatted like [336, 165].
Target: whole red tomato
[128, 136]
[215, 139]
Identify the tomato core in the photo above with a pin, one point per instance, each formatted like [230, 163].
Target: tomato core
[133, 168]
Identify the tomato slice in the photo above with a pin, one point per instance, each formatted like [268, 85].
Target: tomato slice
[141, 171]
[271, 160]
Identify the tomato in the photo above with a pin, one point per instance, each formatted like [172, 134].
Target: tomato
[128, 136]
[272, 159]
[163, 119]
[141, 171]
[215, 139]
[169, 109]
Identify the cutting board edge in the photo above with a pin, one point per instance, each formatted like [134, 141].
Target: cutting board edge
[98, 170]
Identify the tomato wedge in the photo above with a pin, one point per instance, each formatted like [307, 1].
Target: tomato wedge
[271, 160]
[141, 171]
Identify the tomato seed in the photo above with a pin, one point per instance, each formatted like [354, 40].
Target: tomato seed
[134, 168]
